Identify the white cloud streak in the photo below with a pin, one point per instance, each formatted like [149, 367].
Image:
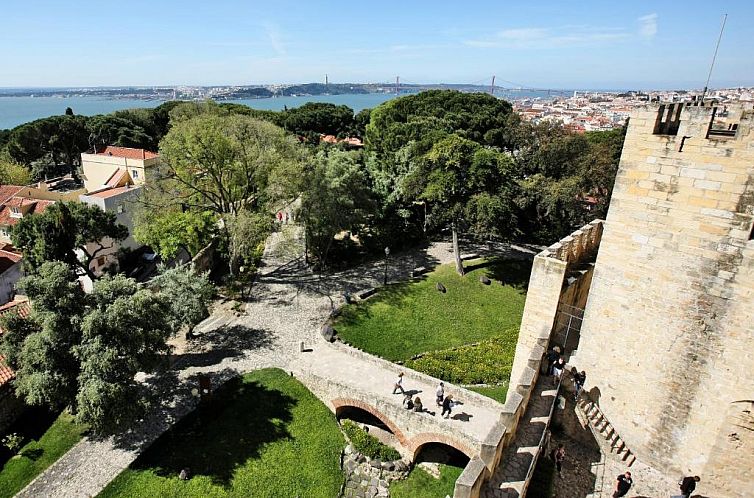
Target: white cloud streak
[648, 26]
[275, 38]
[547, 38]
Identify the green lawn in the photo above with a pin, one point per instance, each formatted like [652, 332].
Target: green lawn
[498, 393]
[419, 484]
[262, 435]
[405, 319]
[39, 454]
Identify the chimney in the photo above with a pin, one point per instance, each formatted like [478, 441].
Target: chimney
[143, 154]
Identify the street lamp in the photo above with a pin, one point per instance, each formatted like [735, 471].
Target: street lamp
[387, 253]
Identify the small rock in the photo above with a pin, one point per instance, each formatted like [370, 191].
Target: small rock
[375, 463]
[485, 280]
[328, 332]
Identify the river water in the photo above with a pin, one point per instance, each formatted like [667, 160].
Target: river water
[18, 110]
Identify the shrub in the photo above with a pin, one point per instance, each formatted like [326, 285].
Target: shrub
[368, 444]
[488, 362]
[13, 441]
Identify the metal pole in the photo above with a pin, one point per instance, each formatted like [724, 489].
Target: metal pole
[385, 281]
[714, 57]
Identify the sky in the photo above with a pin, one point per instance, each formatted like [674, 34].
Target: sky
[536, 44]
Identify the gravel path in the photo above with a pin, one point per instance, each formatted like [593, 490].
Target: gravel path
[289, 304]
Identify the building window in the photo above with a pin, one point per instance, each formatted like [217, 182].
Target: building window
[100, 261]
[120, 208]
[134, 174]
[15, 212]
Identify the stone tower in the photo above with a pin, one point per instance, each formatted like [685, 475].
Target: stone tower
[668, 333]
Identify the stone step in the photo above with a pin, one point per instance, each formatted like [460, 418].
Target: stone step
[609, 433]
[539, 420]
[515, 486]
[549, 392]
[626, 454]
[631, 460]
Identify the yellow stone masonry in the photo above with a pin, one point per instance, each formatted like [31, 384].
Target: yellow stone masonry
[668, 333]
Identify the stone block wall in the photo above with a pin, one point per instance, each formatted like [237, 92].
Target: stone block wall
[668, 330]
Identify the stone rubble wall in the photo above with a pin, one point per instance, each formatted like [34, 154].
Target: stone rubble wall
[668, 331]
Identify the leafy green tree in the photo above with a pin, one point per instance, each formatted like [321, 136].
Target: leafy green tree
[12, 173]
[247, 232]
[71, 232]
[40, 348]
[124, 332]
[167, 231]
[465, 186]
[319, 117]
[227, 163]
[335, 197]
[195, 291]
[110, 129]
[84, 351]
[395, 123]
[53, 145]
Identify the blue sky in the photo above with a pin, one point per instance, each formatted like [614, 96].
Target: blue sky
[556, 44]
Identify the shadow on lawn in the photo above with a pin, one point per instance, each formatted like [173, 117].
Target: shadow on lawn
[511, 272]
[31, 425]
[222, 433]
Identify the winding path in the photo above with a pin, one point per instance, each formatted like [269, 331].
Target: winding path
[289, 305]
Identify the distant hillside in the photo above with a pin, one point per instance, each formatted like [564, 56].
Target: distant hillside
[322, 89]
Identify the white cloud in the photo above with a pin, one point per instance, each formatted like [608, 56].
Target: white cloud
[546, 38]
[648, 26]
[275, 38]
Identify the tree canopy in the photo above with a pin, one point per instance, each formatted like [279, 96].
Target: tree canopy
[84, 351]
[71, 232]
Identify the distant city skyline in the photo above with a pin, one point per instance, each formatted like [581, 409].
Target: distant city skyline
[636, 45]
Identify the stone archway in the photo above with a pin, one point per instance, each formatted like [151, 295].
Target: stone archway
[343, 403]
[418, 442]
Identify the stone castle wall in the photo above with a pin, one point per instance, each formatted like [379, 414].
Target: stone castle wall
[668, 331]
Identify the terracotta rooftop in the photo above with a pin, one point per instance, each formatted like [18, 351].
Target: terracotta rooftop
[8, 191]
[127, 152]
[109, 192]
[37, 206]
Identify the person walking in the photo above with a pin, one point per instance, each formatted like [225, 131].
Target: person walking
[688, 485]
[447, 404]
[579, 379]
[560, 458]
[399, 384]
[552, 358]
[622, 485]
[557, 369]
[440, 393]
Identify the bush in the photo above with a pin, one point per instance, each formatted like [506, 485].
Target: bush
[488, 362]
[368, 444]
[13, 442]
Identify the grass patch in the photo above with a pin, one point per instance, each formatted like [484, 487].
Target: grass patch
[498, 392]
[263, 434]
[39, 454]
[419, 484]
[367, 444]
[409, 318]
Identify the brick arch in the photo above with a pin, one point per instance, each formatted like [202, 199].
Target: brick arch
[339, 403]
[420, 440]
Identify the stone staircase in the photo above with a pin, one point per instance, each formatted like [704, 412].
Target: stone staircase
[601, 427]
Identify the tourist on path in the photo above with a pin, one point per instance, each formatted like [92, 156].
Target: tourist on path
[579, 379]
[418, 408]
[623, 484]
[447, 404]
[558, 368]
[408, 403]
[560, 458]
[688, 485]
[440, 394]
[399, 384]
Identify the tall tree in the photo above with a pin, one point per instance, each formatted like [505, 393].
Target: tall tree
[84, 351]
[335, 197]
[465, 187]
[228, 163]
[70, 232]
[168, 230]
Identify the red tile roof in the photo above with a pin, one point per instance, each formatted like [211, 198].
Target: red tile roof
[23, 309]
[8, 259]
[127, 152]
[8, 191]
[105, 193]
[38, 206]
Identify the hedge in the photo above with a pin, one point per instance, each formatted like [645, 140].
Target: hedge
[367, 444]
